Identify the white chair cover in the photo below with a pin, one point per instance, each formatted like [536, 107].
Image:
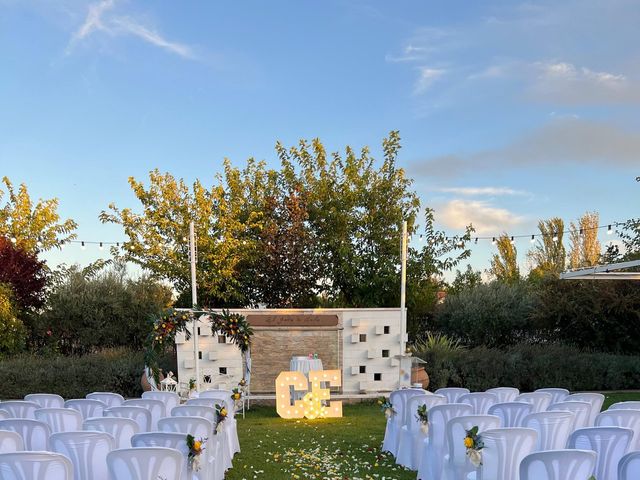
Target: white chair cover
[504, 449]
[622, 418]
[557, 394]
[87, 452]
[609, 443]
[505, 394]
[46, 400]
[452, 393]
[60, 419]
[511, 413]
[213, 464]
[230, 430]
[121, 429]
[35, 466]
[195, 411]
[150, 463]
[480, 401]
[177, 441]
[558, 465]
[581, 410]
[456, 463]
[20, 408]
[108, 398]
[35, 434]
[539, 400]
[628, 405]
[398, 399]
[595, 399]
[629, 466]
[411, 434]
[87, 408]
[10, 442]
[221, 396]
[4, 415]
[436, 445]
[157, 409]
[140, 415]
[170, 399]
[553, 429]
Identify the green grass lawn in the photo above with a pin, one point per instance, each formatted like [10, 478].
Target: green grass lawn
[340, 448]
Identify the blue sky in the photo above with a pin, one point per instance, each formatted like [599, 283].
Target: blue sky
[509, 111]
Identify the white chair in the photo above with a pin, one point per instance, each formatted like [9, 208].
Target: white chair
[456, 463]
[10, 442]
[35, 434]
[121, 429]
[170, 399]
[177, 441]
[46, 400]
[629, 466]
[212, 464]
[539, 400]
[195, 411]
[87, 452]
[557, 394]
[628, 405]
[140, 415]
[511, 413]
[480, 401]
[595, 399]
[35, 466]
[230, 429]
[411, 435]
[452, 393]
[20, 408]
[221, 396]
[581, 410]
[553, 429]
[87, 408]
[398, 399]
[60, 419]
[150, 463]
[558, 465]
[4, 415]
[505, 394]
[504, 449]
[156, 408]
[435, 446]
[108, 398]
[622, 418]
[609, 443]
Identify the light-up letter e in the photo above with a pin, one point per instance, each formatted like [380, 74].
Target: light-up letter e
[315, 403]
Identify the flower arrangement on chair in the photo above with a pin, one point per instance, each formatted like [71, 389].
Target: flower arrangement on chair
[422, 415]
[386, 407]
[195, 450]
[474, 444]
[221, 416]
[236, 395]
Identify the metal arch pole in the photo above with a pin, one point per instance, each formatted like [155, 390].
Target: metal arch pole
[403, 298]
[194, 300]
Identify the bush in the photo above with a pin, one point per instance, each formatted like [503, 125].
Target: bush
[494, 314]
[529, 367]
[12, 330]
[115, 370]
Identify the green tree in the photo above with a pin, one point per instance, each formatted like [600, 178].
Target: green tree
[12, 330]
[585, 246]
[504, 264]
[548, 255]
[35, 227]
[465, 280]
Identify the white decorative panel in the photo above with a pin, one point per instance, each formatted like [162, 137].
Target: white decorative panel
[189, 363]
[379, 329]
[371, 353]
[355, 322]
[355, 338]
[355, 370]
[213, 356]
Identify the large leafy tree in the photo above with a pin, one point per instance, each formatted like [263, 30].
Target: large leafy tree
[504, 264]
[548, 254]
[35, 226]
[24, 273]
[585, 246]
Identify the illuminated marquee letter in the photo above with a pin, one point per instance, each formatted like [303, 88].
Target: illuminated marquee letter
[315, 403]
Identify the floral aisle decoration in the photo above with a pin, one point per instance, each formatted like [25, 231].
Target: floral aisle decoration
[195, 450]
[474, 444]
[386, 407]
[221, 416]
[236, 395]
[422, 414]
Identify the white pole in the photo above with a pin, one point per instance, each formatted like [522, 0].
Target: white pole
[403, 295]
[194, 300]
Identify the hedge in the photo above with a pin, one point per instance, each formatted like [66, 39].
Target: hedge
[529, 367]
[115, 370]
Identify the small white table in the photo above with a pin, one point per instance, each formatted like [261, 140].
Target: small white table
[305, 365]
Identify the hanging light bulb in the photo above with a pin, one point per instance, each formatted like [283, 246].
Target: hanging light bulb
[61, 246]
[13, 240]
[555, 237]
[82, 245]
[493, 240]
[117, 244]
[100, 246]
[476, 241]
[609, 230]
[39, 244]
[581, 231]
[533, 238]
[512, 241]
[420, 237]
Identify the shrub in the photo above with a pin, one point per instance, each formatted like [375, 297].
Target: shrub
[12, 330]
[529, 367]
[115, 370]
[24, 273]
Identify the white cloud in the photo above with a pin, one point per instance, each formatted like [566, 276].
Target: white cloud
[426, 78]
[100, 18]
[480, 191]
[484, 217]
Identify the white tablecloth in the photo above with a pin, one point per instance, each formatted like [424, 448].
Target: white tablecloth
[305, 365]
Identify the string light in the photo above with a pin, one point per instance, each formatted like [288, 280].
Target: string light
[512, 241]
[609, 230]
[82, 246]
[13, 240]
[493, 240]
[533, 238]
[101, 247]
[555, 237]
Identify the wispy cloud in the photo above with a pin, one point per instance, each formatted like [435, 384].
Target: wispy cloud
[482, 191]
[485, 217]
[427, 78]
[101, 18]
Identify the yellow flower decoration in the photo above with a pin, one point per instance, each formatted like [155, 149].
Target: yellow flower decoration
[468, 442]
